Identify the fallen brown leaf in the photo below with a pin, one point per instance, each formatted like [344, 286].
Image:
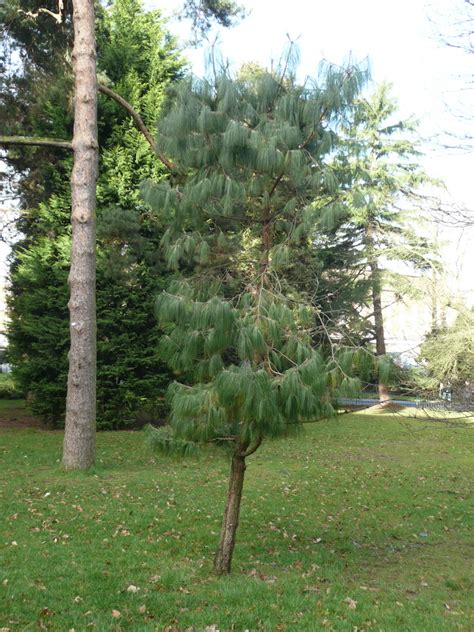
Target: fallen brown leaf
[184, 590]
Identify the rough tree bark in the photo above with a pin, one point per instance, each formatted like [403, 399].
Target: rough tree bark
[79, 437]
[380, 348]
[230, 522]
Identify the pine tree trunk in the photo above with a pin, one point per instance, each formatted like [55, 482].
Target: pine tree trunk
[223, 558]
[380, 348]
[79, 437]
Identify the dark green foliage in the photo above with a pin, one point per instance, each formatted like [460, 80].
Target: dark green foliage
[204, 12]
[131, 379]
[382, 191]
[239, 326]
[330, 272]
[137, 58]
[38, 331]
[35, 82]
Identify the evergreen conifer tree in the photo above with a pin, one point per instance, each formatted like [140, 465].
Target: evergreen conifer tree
[448, 356]
[254, 154]
[81, 393]
[137, 58]
[379, 219]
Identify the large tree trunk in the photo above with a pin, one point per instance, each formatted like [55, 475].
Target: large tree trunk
[380, 348]
[223, 558]
[79, 438]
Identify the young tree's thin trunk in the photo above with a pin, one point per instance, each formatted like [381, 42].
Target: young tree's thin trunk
[79, 437]
[223, 558]
[380, 348]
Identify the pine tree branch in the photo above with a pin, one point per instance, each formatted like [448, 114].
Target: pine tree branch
[253, 448]
[57, 16]
[35, 141]
[275, 184]
[326, 418]
[138, 122]
[311, 134]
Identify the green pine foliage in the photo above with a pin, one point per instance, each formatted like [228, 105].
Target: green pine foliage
[254, 175]
[384, 188]
[376, 236]
[448, 355]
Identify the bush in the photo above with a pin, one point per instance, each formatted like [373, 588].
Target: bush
[8, 388]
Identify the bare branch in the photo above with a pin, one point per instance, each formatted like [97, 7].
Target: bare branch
[56, 16]
[138, 122]
[36, 141]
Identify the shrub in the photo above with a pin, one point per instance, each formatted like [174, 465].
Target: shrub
[8, 388]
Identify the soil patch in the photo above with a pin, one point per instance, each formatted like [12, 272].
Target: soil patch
[15, 414]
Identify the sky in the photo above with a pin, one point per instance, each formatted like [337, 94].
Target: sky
[402, 43]
[403, 47]
[399, 39]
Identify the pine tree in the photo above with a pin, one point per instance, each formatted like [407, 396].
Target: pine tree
[448, 355]
[252, 157]
[382, 190]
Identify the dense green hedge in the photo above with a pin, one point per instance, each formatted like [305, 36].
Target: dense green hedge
[138, 59]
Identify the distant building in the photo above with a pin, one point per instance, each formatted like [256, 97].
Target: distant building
[408, 318]
[406, 323]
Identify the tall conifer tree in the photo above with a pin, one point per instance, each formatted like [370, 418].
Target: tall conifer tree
[238, 331]
[379, 216]
[137, 58]
[79, 446]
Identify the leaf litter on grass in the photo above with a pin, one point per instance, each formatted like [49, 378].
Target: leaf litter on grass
[317, 530]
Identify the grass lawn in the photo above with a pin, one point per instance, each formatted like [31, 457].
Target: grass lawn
[360, 523]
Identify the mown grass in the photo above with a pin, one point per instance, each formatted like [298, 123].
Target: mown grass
[360, 523]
